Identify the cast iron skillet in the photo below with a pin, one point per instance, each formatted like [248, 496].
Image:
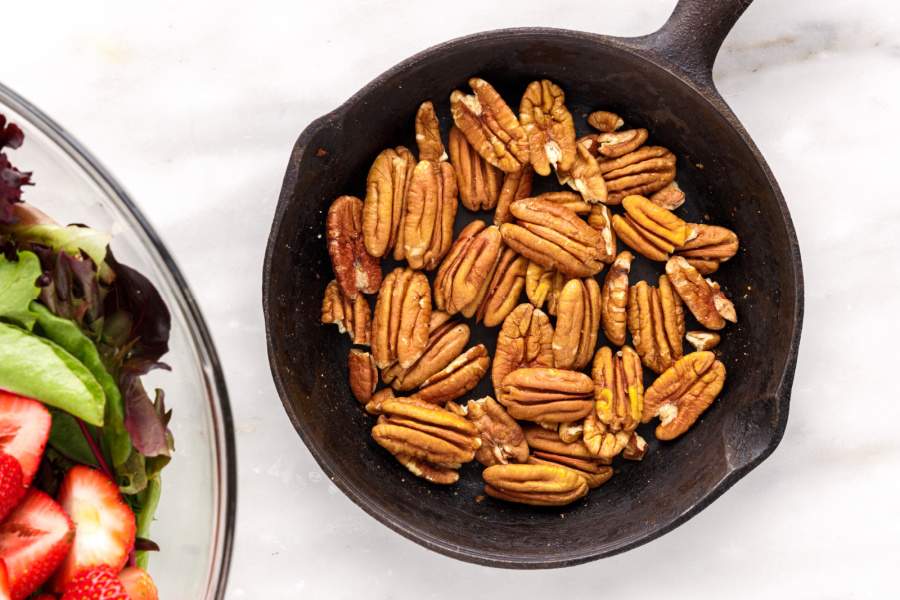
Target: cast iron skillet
[662, 81]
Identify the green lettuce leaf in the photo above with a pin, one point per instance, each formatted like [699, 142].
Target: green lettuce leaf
[67, 438]
[149, 502]
[38, 368]
[18, 287]
[70, 239]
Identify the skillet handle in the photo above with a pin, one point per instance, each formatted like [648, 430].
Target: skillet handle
[691, 38]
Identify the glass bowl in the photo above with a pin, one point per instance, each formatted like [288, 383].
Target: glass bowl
[194, 525]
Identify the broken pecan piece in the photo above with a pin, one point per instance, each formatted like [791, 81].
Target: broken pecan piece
[577, 324]
[457, 378]
[656, 322]
[430, 441]
[618, 401]
[585, 176]
[502, 440]
[490, 126]
[351, 316]
[704, 299]
[599, 220]
[504, 288]
[515, 187]
[431, 205]
[652, 231]
[362, 374]
[465, 274]
[548, 127]
[712, 246]
[547, 395]
[479, 182]
[386, 188]
[681, 394]
[615, 143]
[555, 237]
[428, 134]
[401, 319]
[670, 197]
[646, 170]
[354, 268]
[543, 285]
[614, 299]
[636, 447]
[525, 340]
[537, 485]
[548, 448]
[703, 340]
[446, 341]
[605, 121]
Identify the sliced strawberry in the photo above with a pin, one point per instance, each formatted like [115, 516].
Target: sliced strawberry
[34, 540]
[5, 593]
[104, 524]
[138, 584]
[99, 583]
[24, 429]
[11, 489]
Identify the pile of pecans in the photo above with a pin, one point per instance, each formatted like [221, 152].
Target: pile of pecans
[551, 431]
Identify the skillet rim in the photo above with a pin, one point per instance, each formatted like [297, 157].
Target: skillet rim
[640, 48]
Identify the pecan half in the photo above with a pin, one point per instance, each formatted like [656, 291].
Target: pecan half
[670, 197]
[536, 485]
[614, 299]
[463, 278]
[457, 378]
[428, 134]
[703, 340]
[615, 143]
[555, 237]
[712, 246]
[681, 394]
[504, 289]
[543, 285]
[525, 340]
[656, 322]
[548, 127]
[354, 268]
[386, 188]
[704, 299]
[618, 401]
[490, 126]
[502, 440]
[445, 343]
[351, 316]
[363, 375]
[515, 187]
[577, 324]
[401, 319]
[547, 395]
[646, 170]
[431, 206]
[548, 448]
[430, 441]
[605, 121]
[599, 220]
[652, 231]
[585, 176]
[479, 182]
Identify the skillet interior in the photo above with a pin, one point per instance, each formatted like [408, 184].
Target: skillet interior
[726, 183]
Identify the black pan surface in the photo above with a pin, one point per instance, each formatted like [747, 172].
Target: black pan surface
[662, 82]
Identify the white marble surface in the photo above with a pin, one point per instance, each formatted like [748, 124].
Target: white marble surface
[195, 106]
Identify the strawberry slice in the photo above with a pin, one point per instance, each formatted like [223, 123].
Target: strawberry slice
[104, 524]
[34, 540]
[24, 429]
[138, 584]
[5, 593]
[99, 583]
[11, 488]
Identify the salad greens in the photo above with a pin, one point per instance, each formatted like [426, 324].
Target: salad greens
[78, 331]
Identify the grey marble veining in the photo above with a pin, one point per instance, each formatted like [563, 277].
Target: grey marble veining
[195, 106]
